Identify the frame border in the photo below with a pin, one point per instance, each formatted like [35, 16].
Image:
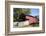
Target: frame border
[7, 19]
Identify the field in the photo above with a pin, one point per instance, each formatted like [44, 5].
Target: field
[23, 25]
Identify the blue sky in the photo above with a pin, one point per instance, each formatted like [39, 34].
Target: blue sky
[34, 12]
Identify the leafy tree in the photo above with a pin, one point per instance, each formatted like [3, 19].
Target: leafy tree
[19, 11]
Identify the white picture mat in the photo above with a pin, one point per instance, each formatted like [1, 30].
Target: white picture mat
[26, 28]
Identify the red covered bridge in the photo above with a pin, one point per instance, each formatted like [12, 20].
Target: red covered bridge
[32, 19]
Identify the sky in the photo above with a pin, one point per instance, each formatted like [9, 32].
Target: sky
[34, 12]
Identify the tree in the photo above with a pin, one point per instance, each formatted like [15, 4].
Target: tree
[19, 11]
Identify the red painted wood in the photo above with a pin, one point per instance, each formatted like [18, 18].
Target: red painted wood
[32, 19]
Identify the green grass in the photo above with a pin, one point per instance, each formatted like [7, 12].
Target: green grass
[36, 25]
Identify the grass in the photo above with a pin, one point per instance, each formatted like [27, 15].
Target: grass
[36, 25]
